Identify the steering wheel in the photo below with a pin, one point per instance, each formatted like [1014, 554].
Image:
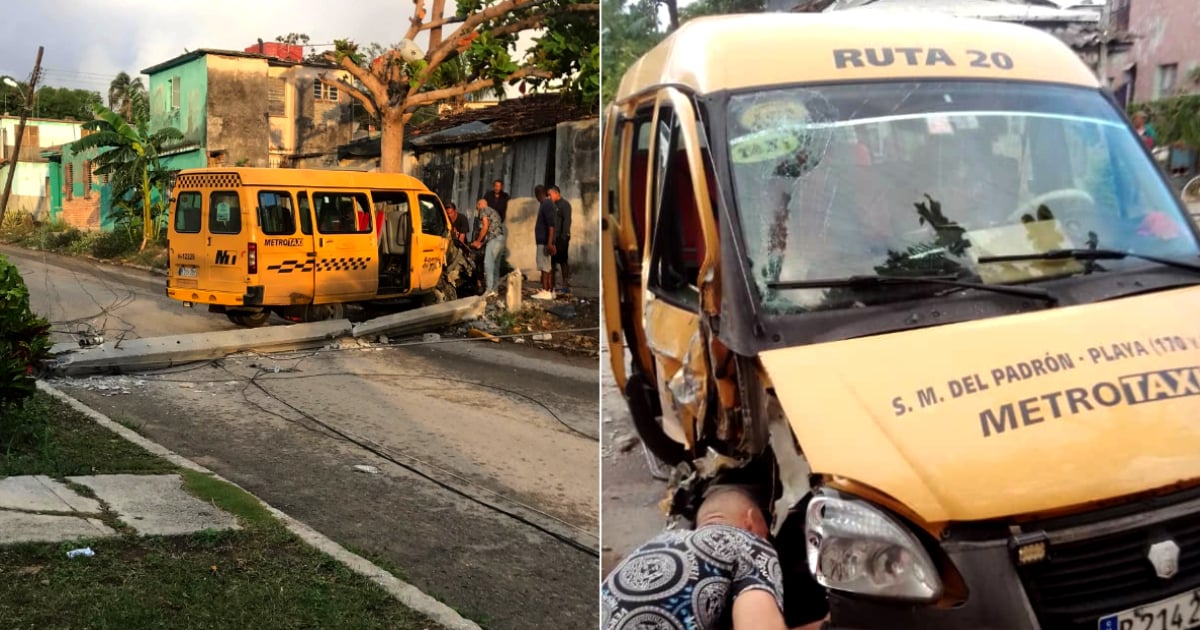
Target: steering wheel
[1075, 220]
[1030, 207]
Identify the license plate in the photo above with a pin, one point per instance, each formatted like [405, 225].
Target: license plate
[187, 272]
[1173, 613]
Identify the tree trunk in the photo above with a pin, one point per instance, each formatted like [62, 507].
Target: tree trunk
[147, 224]
[391, 142]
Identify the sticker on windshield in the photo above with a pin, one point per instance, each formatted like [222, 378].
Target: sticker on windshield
[939, 125]
[764, 145]
[966, 122]
[773, 114]
[223, 211]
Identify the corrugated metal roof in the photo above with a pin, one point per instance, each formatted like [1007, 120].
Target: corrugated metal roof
[981, 9]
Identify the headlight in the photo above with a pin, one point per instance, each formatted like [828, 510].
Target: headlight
[857, 548]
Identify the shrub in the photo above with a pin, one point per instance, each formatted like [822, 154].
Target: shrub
[24, 338]
[115, 244]
[16, 226]
[62, 241]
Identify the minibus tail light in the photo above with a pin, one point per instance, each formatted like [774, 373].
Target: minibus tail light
[252, 258]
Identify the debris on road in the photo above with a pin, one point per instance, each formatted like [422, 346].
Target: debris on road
[364, 468]
[475, 332]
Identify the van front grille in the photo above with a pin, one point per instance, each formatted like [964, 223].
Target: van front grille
[1083, 580]
[208, 180]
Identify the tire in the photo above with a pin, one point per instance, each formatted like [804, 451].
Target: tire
[248, 320]
[444, 292]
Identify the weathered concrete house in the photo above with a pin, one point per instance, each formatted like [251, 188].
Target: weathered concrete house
[36, 179]
[1164, 59]
[264, 106]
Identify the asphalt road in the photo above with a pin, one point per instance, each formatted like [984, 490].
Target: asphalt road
[459, 432]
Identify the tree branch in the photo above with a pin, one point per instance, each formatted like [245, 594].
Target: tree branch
[417, 18]
[535, 21]
[439, 12]
[356, 93]
[425, 98]
[376, 87]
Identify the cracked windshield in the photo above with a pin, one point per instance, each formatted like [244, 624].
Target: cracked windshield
[928, 178]
[299, 315]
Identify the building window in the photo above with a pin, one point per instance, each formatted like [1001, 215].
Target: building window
[174, 93]
[1164, 80]
[87, 179]
[323, 92]
[69, 182]
[276, 106]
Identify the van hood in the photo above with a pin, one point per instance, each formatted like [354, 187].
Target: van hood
[1009, 415]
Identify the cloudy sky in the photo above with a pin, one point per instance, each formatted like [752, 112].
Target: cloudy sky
[88, 42]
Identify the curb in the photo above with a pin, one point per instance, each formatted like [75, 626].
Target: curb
[404, 592]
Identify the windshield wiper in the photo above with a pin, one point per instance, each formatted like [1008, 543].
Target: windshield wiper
[1090, 254]
[877, 281]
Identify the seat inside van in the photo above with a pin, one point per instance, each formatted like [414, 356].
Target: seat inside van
[397, 226]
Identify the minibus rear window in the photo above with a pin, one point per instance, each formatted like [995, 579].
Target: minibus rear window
[187, 213]
[224, 213]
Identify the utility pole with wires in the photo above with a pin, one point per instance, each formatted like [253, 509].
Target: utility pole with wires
[28, 98]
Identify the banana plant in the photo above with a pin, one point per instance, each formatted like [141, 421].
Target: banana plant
[129, 155]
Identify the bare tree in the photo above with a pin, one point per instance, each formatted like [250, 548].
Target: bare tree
[394, 84]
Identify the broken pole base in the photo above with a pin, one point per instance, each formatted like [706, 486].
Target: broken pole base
[423, 319]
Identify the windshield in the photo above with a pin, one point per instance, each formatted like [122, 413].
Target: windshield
[926, 178]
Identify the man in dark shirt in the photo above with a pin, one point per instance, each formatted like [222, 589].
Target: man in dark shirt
[543, 232]
[562, 239]
[722, 574]
[497, 199]
[460, 224]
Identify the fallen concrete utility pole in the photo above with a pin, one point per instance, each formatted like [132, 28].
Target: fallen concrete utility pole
[135, 355]
[423, 319]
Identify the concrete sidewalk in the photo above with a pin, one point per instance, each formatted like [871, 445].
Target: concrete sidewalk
[145, 503]
[37, 508]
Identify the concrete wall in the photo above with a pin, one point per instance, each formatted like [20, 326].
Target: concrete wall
[577, 174]
[74, 199]
[190, 116]
[237, 110]
[569, 157]
[1165, 32]
[30, 190]
[319, 126]
[50, 132]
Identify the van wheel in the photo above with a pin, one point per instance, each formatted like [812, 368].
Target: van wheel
[444, 292]
[249, 320]
[324, 312]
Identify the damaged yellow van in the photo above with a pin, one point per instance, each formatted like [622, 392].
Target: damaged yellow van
[917, 280]
[247, 242]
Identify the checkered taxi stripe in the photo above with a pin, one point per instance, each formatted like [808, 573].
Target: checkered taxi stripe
[325, 264]
[208, 180]
[343, 264]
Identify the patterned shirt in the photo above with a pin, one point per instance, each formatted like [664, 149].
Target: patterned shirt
[495, 225]
[688, 579]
